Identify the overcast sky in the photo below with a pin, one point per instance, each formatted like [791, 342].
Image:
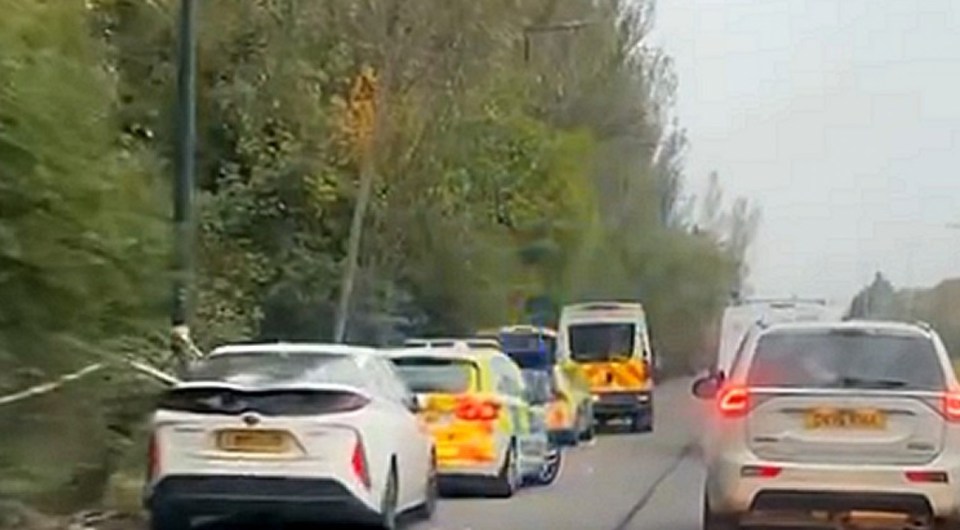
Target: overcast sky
[841, 119]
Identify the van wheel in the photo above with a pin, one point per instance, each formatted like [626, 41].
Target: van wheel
[715, 521]
[642, 421]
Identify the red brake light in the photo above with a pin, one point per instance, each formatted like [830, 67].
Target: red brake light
[939, 477]
[474, 410]
[760, 471]
[951, 406]
[153, 457]
[359, 464]
[734, 402]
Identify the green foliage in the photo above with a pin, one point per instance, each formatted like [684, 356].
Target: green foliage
[500, 176]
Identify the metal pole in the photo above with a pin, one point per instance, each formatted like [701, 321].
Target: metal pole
[185, 166]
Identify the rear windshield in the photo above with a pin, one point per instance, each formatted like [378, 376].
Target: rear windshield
[601, 342]
[846, 360]
[436, 375]
[266, 369]
[540, 384]
[530, 350]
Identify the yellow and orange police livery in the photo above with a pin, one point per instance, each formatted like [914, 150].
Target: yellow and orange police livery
[611, 343]
[473, 403]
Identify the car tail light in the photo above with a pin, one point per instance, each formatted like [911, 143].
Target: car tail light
[153, 457]
[358, 462]
[939, 477]
[477, 410]
[760, 471]
[951, 406]
[734, 402]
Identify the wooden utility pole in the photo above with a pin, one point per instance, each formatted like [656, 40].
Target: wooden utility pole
[361, 126]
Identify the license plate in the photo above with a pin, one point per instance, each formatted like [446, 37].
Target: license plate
[862, 419]
[253, 441]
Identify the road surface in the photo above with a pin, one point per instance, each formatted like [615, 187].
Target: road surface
[622, 482]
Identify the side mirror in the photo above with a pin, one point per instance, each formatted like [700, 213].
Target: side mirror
[707, 387]
[415, 404]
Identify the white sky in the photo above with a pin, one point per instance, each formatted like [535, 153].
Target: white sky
[841, 119]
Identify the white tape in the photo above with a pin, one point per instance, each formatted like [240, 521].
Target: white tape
[46, 388]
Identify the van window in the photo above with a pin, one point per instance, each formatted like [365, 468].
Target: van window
[602, 341]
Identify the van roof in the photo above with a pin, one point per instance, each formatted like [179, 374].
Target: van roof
[603, 306]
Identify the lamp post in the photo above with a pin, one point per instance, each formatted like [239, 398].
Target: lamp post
[573, 25]
[183, 187]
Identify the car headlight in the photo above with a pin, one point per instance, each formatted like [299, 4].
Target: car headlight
[595, 398]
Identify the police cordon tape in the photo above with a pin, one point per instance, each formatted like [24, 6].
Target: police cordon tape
[50, 386]
[180, 336]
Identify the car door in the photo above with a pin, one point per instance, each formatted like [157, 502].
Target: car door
[412, 443]
[510, 385]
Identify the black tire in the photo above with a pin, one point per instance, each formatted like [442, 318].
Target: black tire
[166, 519]
[590, 431]
[509, 478]
[425, 511]
[388, 504]
[715, 521]
[551, 470]
[642, 421]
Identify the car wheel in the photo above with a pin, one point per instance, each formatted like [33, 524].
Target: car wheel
[715, 521]
[165, 519]
[426, 510]
[551, 468]
[590, 430]
[388, 504]
[509, 478]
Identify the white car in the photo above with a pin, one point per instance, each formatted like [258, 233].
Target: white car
[320, 433]
[833, 423]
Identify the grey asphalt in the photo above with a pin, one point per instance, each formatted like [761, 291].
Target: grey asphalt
[621, 482]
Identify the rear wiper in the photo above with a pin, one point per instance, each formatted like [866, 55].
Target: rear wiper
[864, 382]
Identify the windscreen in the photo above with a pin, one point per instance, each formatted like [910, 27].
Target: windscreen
[267, 369]
[529, 350]
[846, 360]
[436, 375]
[601, 342]
[540, 385]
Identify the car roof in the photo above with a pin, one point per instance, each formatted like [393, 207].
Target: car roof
[880, 326]
[446, 352]
[527, 328]
[304, 348]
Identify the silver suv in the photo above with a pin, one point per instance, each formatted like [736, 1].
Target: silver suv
[834, 423]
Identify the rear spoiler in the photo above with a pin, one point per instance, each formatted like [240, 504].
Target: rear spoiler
[292, 387]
